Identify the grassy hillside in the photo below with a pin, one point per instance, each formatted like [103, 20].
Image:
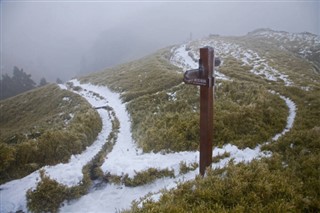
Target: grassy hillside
[145, 76]
[164, 112]
[165, 118]
[44, 126]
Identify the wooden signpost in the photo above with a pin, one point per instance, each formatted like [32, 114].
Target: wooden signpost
[204, 77]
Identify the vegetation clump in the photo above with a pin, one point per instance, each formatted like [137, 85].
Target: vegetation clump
[147, 176]
[245, 115]
[140, 178]
[184, 168]
[238, 188]
[217, 158]
[47, 196]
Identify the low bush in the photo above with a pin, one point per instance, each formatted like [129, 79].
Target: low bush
[140, 178]
[147, 176]
[184, 168]
[244, 114]
[39, 201]
[244, 188]
[47, 196]
[217, 158]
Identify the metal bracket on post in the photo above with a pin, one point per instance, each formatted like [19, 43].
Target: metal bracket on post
[204, 77]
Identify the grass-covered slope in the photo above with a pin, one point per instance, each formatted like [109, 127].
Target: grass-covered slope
[304, 45]
[248, 112]
[145, 76]
[42, 127]
[289, 180]
[165, 112]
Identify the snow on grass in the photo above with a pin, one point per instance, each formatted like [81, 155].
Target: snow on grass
[12, 194]
[181, 57]
[110, 197]
[290, 119]
[66, 99]
[248, 57]
[62, 86]
[72, 171]
[126, 158]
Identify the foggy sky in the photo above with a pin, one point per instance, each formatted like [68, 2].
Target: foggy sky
[63, 39]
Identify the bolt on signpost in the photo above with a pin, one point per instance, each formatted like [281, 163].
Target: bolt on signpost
[203, 77]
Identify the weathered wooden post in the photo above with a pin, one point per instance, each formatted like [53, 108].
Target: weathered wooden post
[204, 77]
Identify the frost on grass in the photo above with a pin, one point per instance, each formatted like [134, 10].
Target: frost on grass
[126, 158]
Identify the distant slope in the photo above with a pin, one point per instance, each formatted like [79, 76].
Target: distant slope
[305, 45]
[43, 126]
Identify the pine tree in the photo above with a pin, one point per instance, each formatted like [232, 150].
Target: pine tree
[59, 81]
[43, 82]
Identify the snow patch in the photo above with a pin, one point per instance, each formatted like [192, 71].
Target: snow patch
[290, 119]
[62, 86]
[66, 99]
[181, 57]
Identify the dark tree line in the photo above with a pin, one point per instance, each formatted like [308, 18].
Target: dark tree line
[18, 83]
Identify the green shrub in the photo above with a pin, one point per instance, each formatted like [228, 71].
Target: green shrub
[147, 176]
[217, 158]
[245, 188]
[184, 168]
[7, 156]
[47, 196]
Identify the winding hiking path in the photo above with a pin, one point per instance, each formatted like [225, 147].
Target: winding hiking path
[13, 193]
[126, 157]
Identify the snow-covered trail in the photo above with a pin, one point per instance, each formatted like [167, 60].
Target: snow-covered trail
[12, 194]
[182, 58]
[125, 158]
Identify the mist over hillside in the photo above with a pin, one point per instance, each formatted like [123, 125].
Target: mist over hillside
[65, 39]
